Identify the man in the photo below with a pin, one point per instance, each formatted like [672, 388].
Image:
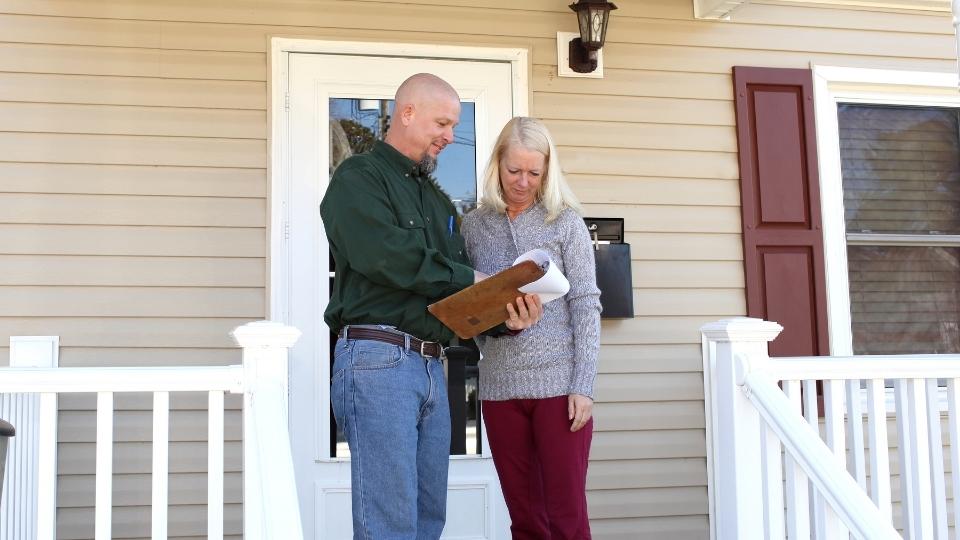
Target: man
[397, 249]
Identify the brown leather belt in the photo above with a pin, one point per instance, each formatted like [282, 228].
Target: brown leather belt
[425, 348]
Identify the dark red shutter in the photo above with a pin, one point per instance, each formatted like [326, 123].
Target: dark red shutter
[780, 196]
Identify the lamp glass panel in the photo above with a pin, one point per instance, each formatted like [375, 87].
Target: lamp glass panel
[603, 28]
[596, 24]
[583, 21]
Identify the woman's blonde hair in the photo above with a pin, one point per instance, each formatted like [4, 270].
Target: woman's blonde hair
[529, 133]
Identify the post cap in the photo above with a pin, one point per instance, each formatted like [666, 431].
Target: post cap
[747, 329]
[6, 429]
[265, 334]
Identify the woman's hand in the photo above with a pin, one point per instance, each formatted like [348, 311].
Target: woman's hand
[526, 314]
[579, 411]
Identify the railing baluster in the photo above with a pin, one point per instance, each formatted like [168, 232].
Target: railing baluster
[798, 491]
[921, 440]
[215, 466]
[935, 445]
[47, 469]
[833, 420]
[104, 472]
[28, 419]
[24, 482]
[879, 449]
[914, 455]
[161, 429]
[855, 433]
[905, 450]
[810, 411]
[772, 483]
[812, 414]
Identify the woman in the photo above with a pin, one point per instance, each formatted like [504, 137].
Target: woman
[536, 386]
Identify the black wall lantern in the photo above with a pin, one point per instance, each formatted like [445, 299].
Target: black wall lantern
[592, 17]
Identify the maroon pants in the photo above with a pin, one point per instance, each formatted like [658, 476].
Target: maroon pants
[542, 467]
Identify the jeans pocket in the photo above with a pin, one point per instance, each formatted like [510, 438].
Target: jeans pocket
[338, 398]
[369, 354]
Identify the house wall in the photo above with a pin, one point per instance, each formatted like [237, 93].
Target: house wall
[133, 205]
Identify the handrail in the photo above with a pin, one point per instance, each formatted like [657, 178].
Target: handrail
[833, 482]
[907, 366]
[122, 379]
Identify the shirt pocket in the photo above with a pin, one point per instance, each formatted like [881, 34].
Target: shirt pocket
[414, 224]
[410, 221]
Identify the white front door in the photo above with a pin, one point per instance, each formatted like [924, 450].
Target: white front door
[335, 105]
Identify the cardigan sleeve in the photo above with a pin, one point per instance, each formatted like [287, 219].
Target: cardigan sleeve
[583, 299]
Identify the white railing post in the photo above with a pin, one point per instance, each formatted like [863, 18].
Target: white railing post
[32, 454]
[265, 346]
[734, 348]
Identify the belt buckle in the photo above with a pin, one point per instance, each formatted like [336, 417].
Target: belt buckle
[425, 343]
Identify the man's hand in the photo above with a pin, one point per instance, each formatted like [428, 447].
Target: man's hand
[526, 314]
[579, 411]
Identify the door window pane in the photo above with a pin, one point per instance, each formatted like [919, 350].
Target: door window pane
[355, 124]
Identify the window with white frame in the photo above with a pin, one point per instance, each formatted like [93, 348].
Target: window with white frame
[900, 169]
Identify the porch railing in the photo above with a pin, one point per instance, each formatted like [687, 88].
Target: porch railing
[831, 477]
[271, 509]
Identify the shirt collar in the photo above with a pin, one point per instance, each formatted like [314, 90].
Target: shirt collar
[393, 157]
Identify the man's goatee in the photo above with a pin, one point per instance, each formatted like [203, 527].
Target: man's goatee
[427, 165]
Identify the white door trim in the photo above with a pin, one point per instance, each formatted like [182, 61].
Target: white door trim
[287, 257]
[279, 261]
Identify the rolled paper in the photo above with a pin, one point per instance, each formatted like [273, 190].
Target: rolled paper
[552, 285]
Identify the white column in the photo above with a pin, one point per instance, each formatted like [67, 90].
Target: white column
[28, 502]
[265, 346]
[735, 348]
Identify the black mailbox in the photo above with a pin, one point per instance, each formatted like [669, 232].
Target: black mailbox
[613, 267]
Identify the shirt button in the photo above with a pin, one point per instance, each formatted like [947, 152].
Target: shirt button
[411, 222]
[428, 220]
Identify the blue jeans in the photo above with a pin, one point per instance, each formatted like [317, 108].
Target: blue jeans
[392, 405]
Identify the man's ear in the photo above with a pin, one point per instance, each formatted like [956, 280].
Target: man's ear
[407, 114]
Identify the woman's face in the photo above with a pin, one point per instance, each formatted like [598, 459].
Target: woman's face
[521, 172]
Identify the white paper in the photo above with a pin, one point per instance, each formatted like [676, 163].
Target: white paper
[552, 285]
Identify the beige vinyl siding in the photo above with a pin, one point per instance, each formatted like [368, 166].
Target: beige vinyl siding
[133, 207]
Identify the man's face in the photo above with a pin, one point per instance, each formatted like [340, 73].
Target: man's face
[431, 129]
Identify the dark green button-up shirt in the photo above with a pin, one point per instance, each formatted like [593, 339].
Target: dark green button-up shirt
[396, 243]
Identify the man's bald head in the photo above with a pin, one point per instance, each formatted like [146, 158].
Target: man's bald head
[426, 109]
[423, 87]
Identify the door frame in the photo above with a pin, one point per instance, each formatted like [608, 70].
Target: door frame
[280, 254]
[279, 260]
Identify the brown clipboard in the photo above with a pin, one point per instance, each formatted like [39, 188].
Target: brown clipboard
[483, 305]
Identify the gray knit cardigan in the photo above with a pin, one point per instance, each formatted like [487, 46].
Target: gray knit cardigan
[558, 355]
